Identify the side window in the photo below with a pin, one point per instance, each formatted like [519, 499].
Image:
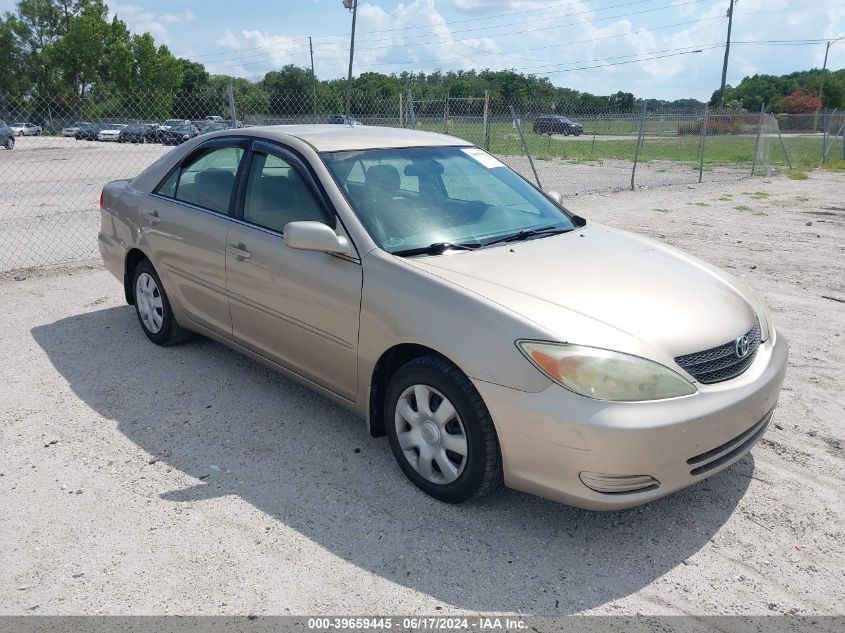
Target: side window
[276, 195]
[207, 180]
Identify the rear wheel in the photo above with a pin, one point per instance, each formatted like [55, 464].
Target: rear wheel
[10, 143]
[440, 431]
[153, 308]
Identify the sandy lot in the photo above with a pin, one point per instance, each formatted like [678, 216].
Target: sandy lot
[143, 480]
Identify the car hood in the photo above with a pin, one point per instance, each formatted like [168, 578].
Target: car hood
[607, 288]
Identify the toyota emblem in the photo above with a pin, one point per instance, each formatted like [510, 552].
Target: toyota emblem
[742, 346]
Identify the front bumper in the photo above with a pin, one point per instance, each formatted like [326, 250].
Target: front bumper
[553, 439]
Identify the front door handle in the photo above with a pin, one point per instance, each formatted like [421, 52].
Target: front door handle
[239, 251]
[152, 217]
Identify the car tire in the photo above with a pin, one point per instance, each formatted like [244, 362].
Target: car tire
[428, 440]
[153, 307]
[10, 143]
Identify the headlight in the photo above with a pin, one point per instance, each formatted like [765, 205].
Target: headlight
[603, 374]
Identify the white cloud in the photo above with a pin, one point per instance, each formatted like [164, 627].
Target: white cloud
[179, 18]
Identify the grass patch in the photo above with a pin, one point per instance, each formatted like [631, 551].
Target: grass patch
[726, 197]
[835, 165]
[699, 204]
[804, 152]
[742, 207]
[663, 210]
[796, 174]
[759, 195]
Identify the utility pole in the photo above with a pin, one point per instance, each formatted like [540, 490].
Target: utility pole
[353, 4]
[821, 87]
[313, 77]
[727, 53]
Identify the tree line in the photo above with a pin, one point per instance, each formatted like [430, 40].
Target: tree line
[73, 56]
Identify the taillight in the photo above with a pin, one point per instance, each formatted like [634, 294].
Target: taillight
[102, 198]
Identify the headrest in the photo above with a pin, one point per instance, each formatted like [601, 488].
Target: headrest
[385, 178]
[422, 168]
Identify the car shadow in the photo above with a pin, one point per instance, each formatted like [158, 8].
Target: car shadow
[241, 429]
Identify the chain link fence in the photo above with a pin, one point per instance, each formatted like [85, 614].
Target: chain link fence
[50, 182]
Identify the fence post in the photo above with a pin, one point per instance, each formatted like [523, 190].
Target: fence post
[702, 140]
[233, 113]
[410, 117]
[446, 114]
[843, 138]
[401, 112]
[639, 146]
[757, 144]
[783, 147]
[518, 125]
[487, 120]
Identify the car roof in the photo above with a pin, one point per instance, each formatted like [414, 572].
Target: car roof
[336, 138]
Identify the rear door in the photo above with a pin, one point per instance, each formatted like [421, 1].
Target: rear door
[297, 308]
[185, 223]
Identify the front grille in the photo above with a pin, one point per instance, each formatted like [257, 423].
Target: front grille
[721, 363]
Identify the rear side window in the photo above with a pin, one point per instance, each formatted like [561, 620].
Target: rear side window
[206, 180]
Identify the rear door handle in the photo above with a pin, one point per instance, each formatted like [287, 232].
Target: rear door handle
[239, 251]
[152, 217]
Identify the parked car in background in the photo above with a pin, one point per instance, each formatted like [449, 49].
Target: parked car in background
[178, 133]
[339, 119]
[25, 129]
[71, 130]
[89, 131]
[611, 370]
[111, 132]
[556, 124]
[171, 122]
[7, 137]
[139, 133]
[214, 127]
[214, 117]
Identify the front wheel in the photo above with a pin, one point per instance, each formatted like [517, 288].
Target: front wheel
[440, 431]
[153, 308]
[10, 143]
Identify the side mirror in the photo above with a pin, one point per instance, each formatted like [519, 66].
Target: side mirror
[555, 195]
[315, 236]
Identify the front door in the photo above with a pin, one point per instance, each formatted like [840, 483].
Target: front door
[297, 308]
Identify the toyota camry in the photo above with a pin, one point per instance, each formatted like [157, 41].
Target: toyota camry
[493, 336]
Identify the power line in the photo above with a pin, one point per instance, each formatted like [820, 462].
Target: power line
[544, 28]
[495, 26]
[556, 45]
[532, 30]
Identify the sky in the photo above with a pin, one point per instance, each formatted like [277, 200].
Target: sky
[599, 46]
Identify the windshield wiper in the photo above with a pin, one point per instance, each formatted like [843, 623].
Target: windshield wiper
[438, 248]
[526, 233]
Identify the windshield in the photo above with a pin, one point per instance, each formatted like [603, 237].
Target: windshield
[414, 197]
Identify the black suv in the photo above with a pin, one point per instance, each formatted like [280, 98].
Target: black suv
[556, 124]
[7, 137]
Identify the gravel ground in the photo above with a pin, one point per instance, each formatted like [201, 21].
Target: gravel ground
[146, 480]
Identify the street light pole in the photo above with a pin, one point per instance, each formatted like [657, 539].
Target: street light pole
[353, 5]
